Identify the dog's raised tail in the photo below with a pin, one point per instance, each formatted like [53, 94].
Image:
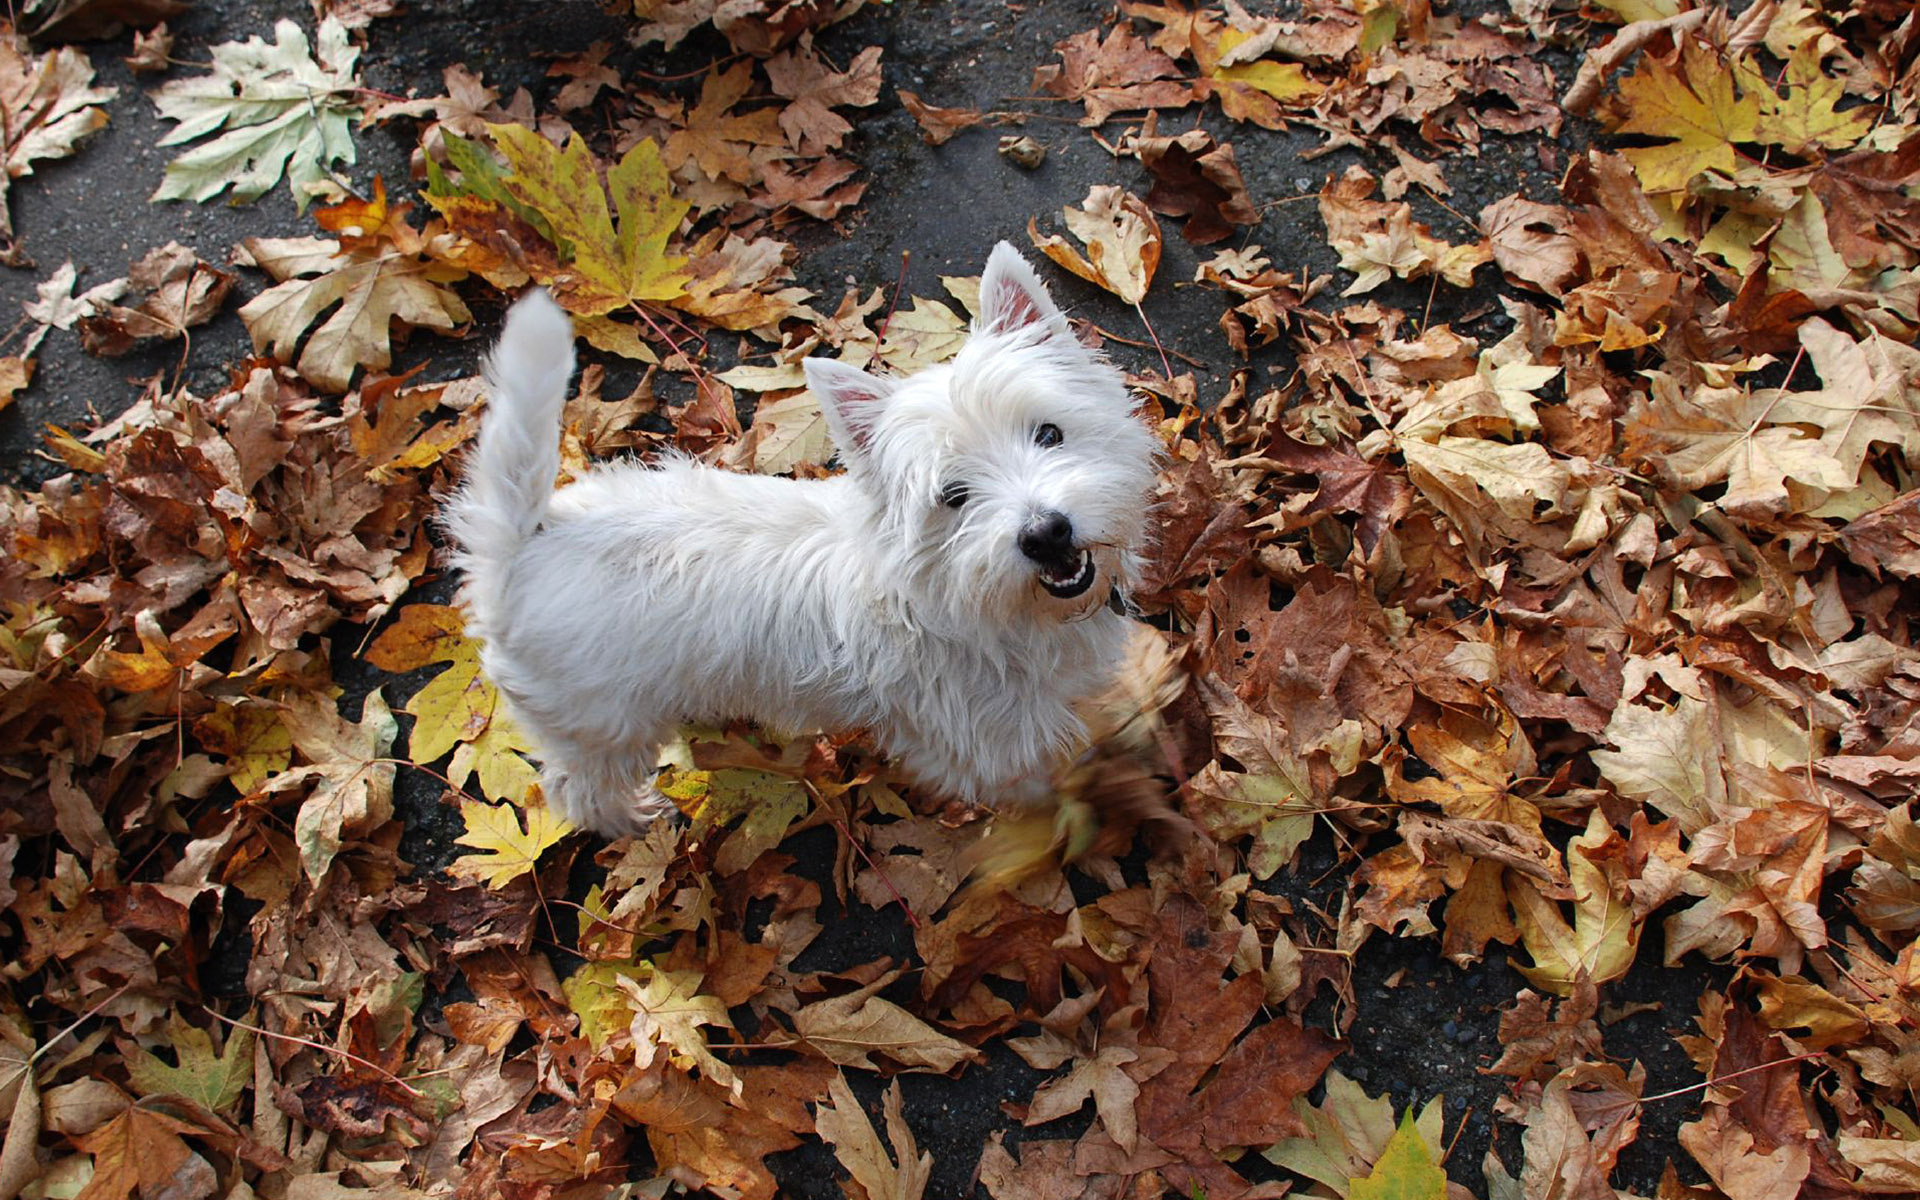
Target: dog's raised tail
[510, 478]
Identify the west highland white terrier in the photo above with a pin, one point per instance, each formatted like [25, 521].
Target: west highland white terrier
[950, 591]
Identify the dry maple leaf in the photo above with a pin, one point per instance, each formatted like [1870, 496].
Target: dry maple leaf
[668, 1011]
[938, 125]
[816, 89]
[1601, 942]
[352, 777]
[376, 273]
[1378, 240]
[1122, 239]
[176, 292]
[1118, 74]
[1197, 178]
[50, 105]
[845, 1126]
[723, 144]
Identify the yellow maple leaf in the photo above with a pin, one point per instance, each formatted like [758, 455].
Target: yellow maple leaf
[604, 268]
[458, 709]
[508, 849]
[1804, 115]
[1697, 105]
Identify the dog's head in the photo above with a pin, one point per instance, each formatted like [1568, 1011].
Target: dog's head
[1010, 482]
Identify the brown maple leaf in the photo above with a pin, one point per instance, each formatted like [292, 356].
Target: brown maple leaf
[176, 292]
[816, 89]
[1196, 177]
[1119, 74]
[721, 143]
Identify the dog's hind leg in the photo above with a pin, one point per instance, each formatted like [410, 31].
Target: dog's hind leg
[609, 793]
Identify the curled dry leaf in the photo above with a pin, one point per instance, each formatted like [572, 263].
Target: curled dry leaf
[176, 292]
[938, 125]
[1196, 177]
[1122, 238]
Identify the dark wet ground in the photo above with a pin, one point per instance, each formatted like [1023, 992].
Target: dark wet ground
[1424, 1027]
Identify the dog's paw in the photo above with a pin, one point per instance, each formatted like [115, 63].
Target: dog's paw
[650, 805]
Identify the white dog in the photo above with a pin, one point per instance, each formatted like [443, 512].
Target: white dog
[949, 591]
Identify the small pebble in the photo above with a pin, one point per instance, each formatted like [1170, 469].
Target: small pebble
[1450, 1029]
[1466, 1037]
[1303, 182]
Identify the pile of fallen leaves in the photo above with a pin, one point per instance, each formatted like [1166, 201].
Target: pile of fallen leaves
[1595, 641]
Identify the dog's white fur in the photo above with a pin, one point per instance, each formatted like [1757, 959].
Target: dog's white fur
[644, 596]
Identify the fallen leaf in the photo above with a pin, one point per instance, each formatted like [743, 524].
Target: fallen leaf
[843, 1125]
[50, 106]
[1122, 239]
[285, 112]
[508, 849]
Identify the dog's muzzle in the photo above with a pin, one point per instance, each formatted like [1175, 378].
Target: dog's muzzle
[1066, 570]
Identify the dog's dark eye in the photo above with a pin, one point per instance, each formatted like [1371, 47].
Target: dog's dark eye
[953, 495]
[1047, 435]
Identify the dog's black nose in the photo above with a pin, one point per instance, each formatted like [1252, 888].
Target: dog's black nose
[1047, 537]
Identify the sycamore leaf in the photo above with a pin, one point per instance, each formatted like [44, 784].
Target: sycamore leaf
[1405, 1171]
[213, 1080]
[139, 1153]
[457, 710]
[926, 334]
[668, 1011]
[375, 273]
[284, 111]
[48, 105]
[1601, 943]
[1103, 1079]
[849, 1029]
[1805, 116]
[353, 780]
[507, 848]
[1122, 239]
[1379, 239]
[846, 1127]
[604, 268]
[1350, 1134]
[787, 432]
[1695, 104]
[816, 89]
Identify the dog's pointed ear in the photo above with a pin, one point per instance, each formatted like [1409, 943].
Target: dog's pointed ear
[850, 398]
[1012, 297]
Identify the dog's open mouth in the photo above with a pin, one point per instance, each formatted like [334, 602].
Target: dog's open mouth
[1070, 578]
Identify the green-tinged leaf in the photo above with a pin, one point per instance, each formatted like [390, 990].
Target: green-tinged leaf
[212, 1079]
[593, 993]
[285, 112]
[1405, 1171]
[606, 266]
